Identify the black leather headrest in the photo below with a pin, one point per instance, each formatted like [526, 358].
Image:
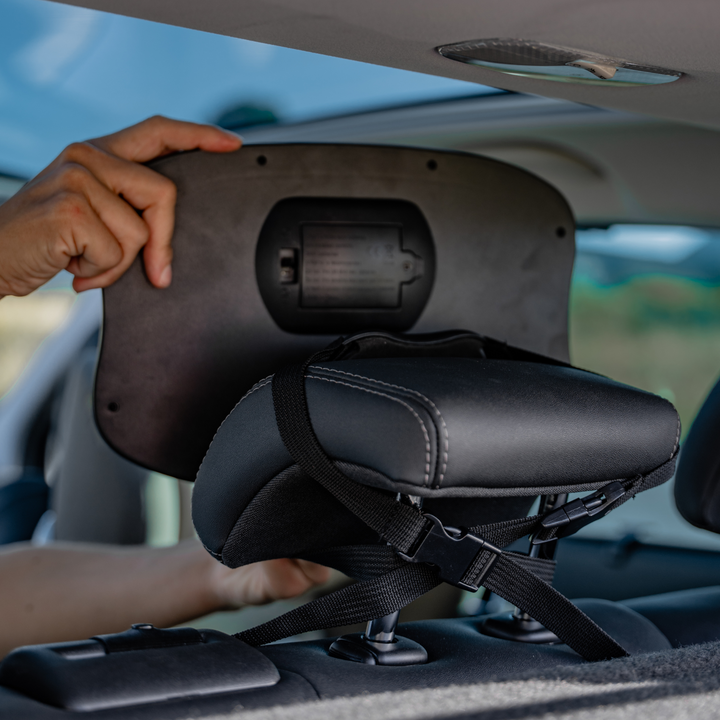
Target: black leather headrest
[697, 480]
[438, 428]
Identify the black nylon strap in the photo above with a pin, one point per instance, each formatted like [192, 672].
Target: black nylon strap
[398, 524]
[510, 580]
[502, 534]
[519, 579]
[357, 603]
[392, 591]
[361, 562]
[513, 578]
[542, 568]
[365, 562]
[642, 483]
[632, 487]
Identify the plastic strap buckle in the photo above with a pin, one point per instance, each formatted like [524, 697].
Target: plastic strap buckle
[453, 552]
[572, 516]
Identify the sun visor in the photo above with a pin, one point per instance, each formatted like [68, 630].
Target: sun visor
[280, 248]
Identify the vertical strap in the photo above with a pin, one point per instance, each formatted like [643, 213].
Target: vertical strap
[398, 524]
[510, 580]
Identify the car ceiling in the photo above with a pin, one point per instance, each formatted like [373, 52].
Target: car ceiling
[611, 166]
[680, 36]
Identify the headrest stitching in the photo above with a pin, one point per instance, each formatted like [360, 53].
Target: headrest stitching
[397, 400]
[446, 442]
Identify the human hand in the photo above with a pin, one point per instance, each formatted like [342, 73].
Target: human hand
[265, 581]
[95, 207]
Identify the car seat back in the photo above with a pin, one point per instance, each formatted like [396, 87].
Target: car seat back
[697, 481]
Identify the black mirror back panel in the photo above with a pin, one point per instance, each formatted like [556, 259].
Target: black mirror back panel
[280, 248]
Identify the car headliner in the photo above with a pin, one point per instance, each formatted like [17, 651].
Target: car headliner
[405, 33]
[611, 166]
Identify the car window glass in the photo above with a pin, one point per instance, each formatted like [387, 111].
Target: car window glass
[645, 310]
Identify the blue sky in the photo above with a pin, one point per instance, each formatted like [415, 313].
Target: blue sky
[68, 73]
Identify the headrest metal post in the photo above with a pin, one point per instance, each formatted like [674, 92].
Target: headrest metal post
[382, 630]
[518, 625]
[548, 503]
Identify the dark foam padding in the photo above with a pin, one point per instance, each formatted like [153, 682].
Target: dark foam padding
[174, 362]
[467, 428]
[697, 480]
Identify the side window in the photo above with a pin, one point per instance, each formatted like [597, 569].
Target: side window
[645, 310]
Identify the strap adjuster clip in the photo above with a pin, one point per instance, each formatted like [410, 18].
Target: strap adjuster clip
[453, 552]
[572, 516]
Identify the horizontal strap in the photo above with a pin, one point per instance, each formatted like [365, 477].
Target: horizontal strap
[357, 603]
[506, 532]
[362, 562]
[567, 519]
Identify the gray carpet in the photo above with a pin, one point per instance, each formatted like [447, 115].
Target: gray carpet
[674, 684]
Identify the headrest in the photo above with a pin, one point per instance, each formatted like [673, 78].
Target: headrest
[279, 249]
[434, 427]
[697, 480]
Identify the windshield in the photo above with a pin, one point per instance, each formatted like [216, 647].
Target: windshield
[68, 73]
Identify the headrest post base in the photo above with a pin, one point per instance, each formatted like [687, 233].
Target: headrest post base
[357, 648]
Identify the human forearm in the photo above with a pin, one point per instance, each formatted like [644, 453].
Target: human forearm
[96, 206]
[72, 591]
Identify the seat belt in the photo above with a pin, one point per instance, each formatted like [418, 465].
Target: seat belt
[424, 552]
